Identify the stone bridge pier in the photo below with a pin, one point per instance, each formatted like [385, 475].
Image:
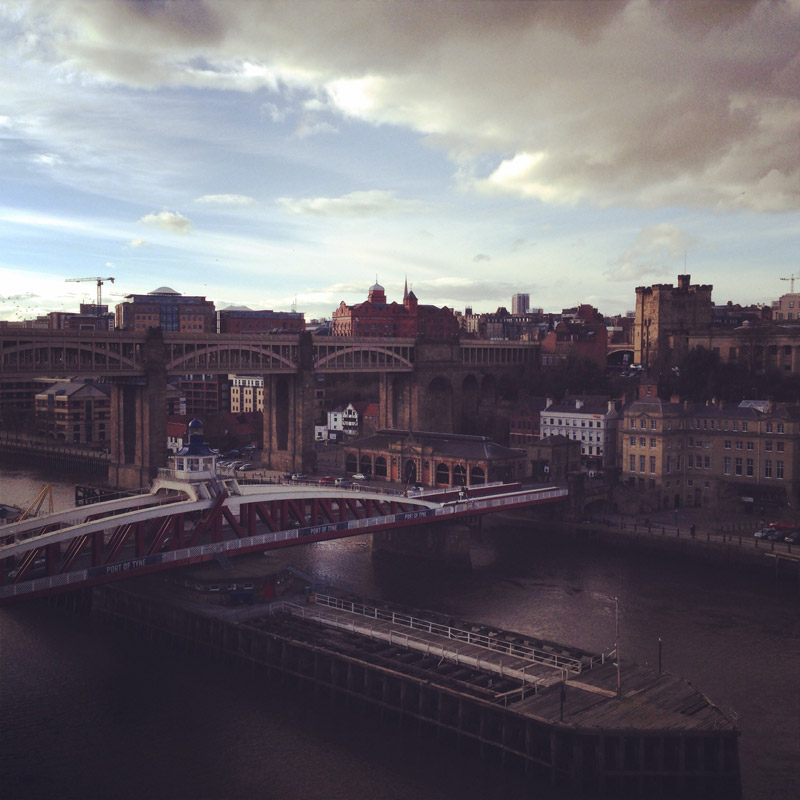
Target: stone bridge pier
[139, 419]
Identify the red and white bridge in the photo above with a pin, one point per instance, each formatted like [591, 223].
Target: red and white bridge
[168, 528]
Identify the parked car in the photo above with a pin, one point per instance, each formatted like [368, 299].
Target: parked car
[762, 533]
[777, 535]
[793, 537]
[326, 481]
[341, 482]
[359, 476]
[298, 476]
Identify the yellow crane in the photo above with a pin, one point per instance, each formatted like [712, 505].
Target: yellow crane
[99, 281]
[33, 509]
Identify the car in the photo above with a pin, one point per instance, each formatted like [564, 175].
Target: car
[298, 476]
[246, 467]
[763, 533]
[777, 534]
[341, 482]
[359, 476]
[793, 537]
[326, 481]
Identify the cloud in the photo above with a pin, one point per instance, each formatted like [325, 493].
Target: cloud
[354, 204]
[170, 221]
[633, 103]
[225, 200]
[137, 243]
[481, 257]
[653, 253]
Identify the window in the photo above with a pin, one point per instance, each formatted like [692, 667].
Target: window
[690, 443]
[633, 423]
[642, 441]
[744, 427]
[698, 462]
[652, 441]
[643, 424]
[641, 464]
[632, 463]
[726, 465]
[749, 467]
[768, 446]
[780, 447]
[779, 469]
[736, 426]
[768, 468]
[727, 444]
[738, 444]
[652, 465]
[669, 465]
[633, 441]
[769, 427]
[707, 462]
[780, 427]
[750, 446]
[652, 424]
[738, 466]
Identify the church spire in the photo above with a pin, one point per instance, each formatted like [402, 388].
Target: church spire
[405, 290]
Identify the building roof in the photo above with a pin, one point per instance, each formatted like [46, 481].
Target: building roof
[452, 445]
[580, 404]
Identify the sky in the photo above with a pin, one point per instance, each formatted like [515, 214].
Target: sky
[290, 154]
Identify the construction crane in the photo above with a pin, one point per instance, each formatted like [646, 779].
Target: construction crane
[791, 280]
[100, 282]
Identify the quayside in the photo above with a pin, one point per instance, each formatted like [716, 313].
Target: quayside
[556, 714]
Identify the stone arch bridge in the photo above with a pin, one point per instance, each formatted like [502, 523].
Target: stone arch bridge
[440, 386]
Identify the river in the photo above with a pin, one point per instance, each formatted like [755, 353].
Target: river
[88, 712]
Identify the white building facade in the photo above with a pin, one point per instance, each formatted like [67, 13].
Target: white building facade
[591, 420]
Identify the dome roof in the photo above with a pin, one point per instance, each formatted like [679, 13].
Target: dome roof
[163, 290]
[376, 287]
[195, 423]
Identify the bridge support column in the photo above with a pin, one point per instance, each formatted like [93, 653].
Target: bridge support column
[289, 415]
[445, 544]
[139, 420]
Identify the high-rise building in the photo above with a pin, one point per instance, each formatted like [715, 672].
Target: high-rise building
[520, 303]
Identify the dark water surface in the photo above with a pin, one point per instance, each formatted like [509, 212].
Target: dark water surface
[89, 712]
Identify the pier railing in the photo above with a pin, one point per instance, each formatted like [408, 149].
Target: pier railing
[536, 655]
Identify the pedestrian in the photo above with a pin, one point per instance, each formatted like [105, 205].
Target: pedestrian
[692, 530]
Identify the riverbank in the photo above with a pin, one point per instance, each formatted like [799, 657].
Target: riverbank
[697, 537]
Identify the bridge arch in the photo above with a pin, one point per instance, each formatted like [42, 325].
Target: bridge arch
[437, 411]
[470, 404]
[489, 390]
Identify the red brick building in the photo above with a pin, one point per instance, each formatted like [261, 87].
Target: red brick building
[433, 459]
[376, 317]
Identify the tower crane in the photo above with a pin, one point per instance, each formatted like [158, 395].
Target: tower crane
[791, 280]
[100, 282]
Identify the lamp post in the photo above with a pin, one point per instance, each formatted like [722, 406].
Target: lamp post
[616, 645]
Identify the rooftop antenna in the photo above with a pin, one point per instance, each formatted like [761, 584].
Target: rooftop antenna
[791, 282]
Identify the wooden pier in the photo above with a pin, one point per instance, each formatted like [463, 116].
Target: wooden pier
[547, 710]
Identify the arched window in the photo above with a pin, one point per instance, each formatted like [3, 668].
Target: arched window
[410, 471]
[366, 465]
[380, 467]
[459, 475]
[442, 475]
[351, 463]
[477, 475]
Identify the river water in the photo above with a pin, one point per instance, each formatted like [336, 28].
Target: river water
[89, 712]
